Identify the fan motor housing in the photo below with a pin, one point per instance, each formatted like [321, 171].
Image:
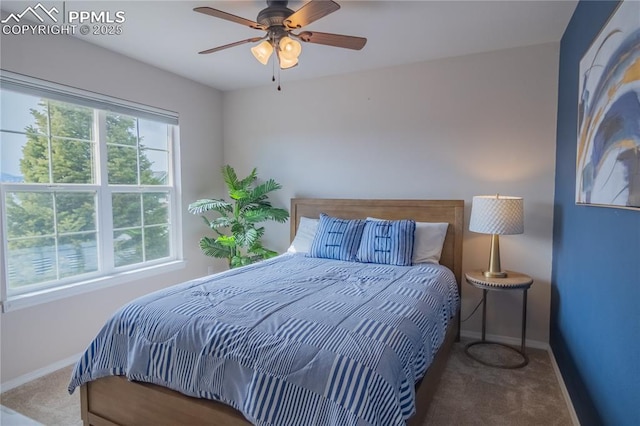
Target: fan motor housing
[274, 14]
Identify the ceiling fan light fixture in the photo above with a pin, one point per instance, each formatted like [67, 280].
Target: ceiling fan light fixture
[262, 52]
[278, 21]
[289, 48]
[286, 63]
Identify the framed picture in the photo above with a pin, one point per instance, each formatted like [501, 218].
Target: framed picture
[608, 157]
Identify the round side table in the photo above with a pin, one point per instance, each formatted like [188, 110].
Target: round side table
[513, 281]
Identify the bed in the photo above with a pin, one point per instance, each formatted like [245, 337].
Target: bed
[115, 400]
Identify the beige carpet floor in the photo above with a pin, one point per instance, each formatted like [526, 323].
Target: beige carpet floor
[469, 394]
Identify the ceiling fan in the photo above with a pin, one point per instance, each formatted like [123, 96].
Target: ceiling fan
[279, 22]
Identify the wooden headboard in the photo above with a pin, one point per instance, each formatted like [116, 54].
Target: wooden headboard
[450, 211]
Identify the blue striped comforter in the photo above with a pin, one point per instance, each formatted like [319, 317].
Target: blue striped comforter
[289, 341]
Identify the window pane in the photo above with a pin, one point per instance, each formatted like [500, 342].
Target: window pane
[156, 242]
[76, 212]
[127, 247]
[126, 210]
[72, 161]
[156, 208]
[24, 158]
[121, 130]
[78, 254]
[154, 167]
[29, 214]
[31, 261]
[54, 179]
[11, 145]
[70, 121]
[153, 134]
[122, 165]
[22, 113]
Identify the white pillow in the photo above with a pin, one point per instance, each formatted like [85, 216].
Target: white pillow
[427, 241]
[304, 236]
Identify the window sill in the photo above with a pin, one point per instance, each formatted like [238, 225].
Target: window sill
[32, 299]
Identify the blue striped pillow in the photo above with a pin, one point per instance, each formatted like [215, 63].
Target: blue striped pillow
[337, 238]
[387, 241]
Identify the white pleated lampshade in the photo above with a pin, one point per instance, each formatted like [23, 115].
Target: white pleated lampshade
[497, 214]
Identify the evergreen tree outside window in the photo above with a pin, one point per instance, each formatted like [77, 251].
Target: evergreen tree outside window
[86, 193]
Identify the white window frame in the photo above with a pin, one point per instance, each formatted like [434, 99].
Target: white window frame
[104, 277]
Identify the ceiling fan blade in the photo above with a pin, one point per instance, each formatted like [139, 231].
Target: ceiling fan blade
[237, 43]
[229, 17]
[337, 40]
[310, 12]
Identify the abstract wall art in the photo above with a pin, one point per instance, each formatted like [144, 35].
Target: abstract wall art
[608, 157]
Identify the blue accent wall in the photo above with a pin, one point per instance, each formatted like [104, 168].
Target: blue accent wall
[595, 299]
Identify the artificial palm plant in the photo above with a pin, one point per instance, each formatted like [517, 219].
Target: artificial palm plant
[249, 205]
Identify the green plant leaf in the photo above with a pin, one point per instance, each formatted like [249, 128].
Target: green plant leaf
[205, 205]
[238, 194]
[221, 222]
[211, 247]
[256, 215]
[226, 240]
[238, 228]
[260, 192]
[237, 261]
[260, 232]
[250, 237]
[264, 253]
[230, 177]
[249, 180]
[269, 254]
[247, 237]
[279, 215]
[264, 214]
[207, 222]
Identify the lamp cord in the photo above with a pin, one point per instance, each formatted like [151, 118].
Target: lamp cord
[474, 310]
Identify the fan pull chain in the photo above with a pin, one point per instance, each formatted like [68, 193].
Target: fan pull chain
[273, 70]
[279, 89]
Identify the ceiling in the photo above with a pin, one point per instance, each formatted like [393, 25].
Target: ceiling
[168, 34]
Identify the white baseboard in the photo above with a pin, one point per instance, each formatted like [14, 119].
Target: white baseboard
[513, 341]
[563, 388]
[25, 378]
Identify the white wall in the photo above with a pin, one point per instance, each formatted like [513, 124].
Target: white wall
[451, 128]
[34, 338]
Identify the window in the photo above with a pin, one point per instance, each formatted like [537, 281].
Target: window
[87, 185]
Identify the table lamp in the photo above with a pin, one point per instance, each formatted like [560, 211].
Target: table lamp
[496, 215]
